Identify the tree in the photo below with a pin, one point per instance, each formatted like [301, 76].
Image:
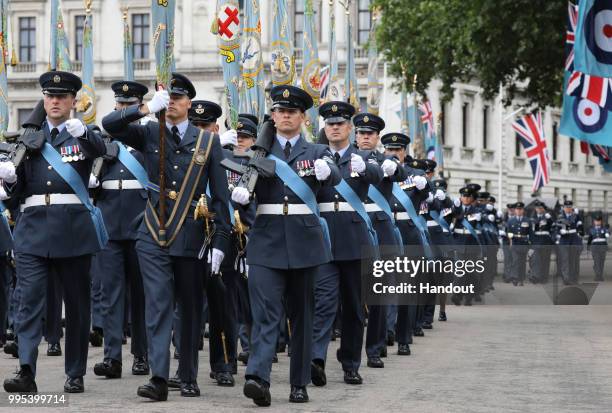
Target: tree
[518, 43]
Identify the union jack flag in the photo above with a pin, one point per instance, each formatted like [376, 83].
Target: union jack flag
[530, 132]
[427, 118]
[571, 35]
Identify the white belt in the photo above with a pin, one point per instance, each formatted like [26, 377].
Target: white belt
[571, 231]
[461, 231]
[402, 216]
[372, 208]
[336, 207]
[283, 209]
[121, 184]
[542, 233]
[599, 240]
[519, 236]
[49, 199]
[432, 224]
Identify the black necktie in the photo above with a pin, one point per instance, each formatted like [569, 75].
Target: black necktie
[175, 135]
[337, 157]
[54, 133]
[287, 150]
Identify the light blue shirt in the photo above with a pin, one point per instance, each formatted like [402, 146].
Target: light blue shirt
[182, 127]
[283, 141]
[341, 152]
[59, 127]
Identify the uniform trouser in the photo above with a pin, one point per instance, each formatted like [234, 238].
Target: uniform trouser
[541, 262]
[223, 331]
[4, 295]
[376, 334]
[569, 257]
[599, 259]
[165, 278]
[519, 258]
[391, 318]
[490, 266]
[243, 336]
[267, 287]
[118, 266]
[507, 262]
[406, 323]
[345, 275]
[13, 307]
[53, 312]
[96, 295]
[32, 274]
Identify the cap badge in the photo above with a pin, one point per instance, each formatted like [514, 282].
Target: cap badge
[239, 125]
[125, 87]
[334, 108]
[286, 93]
[199, 110]
[394, 138]
[57, 79]
[366, 119]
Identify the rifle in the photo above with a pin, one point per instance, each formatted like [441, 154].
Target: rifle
[258, 164]
[16, 151]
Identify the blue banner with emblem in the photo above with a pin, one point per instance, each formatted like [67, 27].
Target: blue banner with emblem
[351, 88]
[283, 60]
[128, 51]
[86, 99]
[253, 100]
[311, 68]
[4, 110]
[162, 13]
[59, 58]
[593, 38]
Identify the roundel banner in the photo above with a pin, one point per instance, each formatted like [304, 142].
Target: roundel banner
[589, 117]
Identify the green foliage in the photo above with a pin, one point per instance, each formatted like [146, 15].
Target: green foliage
[519, 43]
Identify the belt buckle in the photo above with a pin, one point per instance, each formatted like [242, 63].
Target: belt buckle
[336, 206]
[285, 208]
[47, 199]
[120, 185]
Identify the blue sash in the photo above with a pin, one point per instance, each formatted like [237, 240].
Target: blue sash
[73, 179]
[472, 231]
[418, 221]
[5, 219]
[436, 216]
[352, 198]
[303, 191]
[132, 164]
[380, 200]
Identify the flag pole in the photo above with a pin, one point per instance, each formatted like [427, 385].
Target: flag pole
[500, 174]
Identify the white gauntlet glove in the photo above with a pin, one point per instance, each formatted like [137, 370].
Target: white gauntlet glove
[457, 202]
[240, 195]
[420, 182]
[357, 163]
[229, 137]
[563, 232]
[7, 172]
[389, 167]
[489, 207]
[75, 128]
[491, 217]
[214, 259]
[322, 169]
[547, 215]
[93, 181]
[440, 195]
[160, 101]
[430, 198]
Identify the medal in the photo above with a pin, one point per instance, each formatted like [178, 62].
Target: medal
[76, 151]
[63, 153]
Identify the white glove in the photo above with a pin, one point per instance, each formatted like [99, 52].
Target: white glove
[7, 172]
[93, 181]
[607, 235]
[3, 195]
[478, 216]
[75, 128]
[430, 198]
[457, 202]
[229, 137]
[576, 211]
[240, 195]
[322, 169]
[160, 101]
[357, 163]
[420, 182]
[489, 207]
[440, 195]
[491, 217]
[502, 233]
[214, 259]
[389, 167]
[547, 215]
[563, 231]
[499, 214]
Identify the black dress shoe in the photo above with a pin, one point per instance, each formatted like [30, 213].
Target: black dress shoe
[317, 373]
[383, 352]
[109, 368]
[390, 339]
[427, 325]
[23, 382]
[514, 282]
[298, 394]
[521, 284]
[468, 303]
[140, 366]
[243, 357]
[206, 334]
[280, 347]
[224, 379]
[190, 389]
[275, 359]
[259, 391]
[174, 382]
[337, 333]
[12, 348]
[54, 349]
[418, 332]
[156, 389]
[74, 385]
[96, 337]
[10, 335]
[375, 362]
[352, 377]
[201, 343]
[403, 350]
[442, 316]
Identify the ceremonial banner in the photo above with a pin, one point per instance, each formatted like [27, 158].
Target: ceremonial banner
[4, 112]
[311, 68]
[86, 99]
[283, 60]
[373, 98]
[128, 51]
[253, 99]
[333, 91]
[163, 39]
[228, 40]
[593, 38]
[59, 58]
[351, 87]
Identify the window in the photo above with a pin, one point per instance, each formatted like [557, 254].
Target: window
[605, 194]
[555, 138]
[364, 21]
[590, 199]
[571, 150]
[443, 125]
[298, 24]
[557, 192]
[27, 39]
[487, 186]
[465, 124]
[22, 115]
[519, 192]
[141, 35]
[574, 195]
[517, 146]
[79, 26]
[485, 126]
